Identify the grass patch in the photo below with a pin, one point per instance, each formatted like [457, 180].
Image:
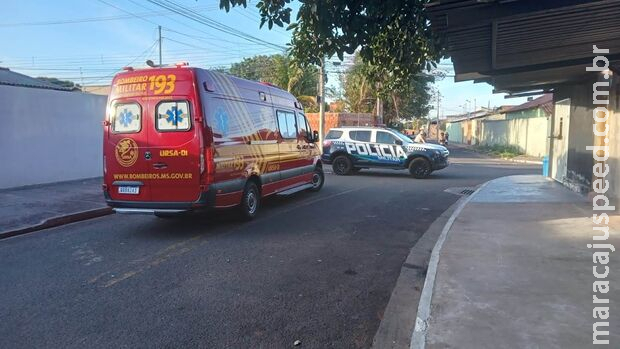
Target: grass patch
[504, 151]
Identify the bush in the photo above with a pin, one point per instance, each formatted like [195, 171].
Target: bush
[501, 150]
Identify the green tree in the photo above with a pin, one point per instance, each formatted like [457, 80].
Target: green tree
[62, 83]
[393, 36]
[279, 70]
[408, 101]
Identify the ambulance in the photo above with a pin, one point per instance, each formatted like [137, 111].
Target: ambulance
[180, 138]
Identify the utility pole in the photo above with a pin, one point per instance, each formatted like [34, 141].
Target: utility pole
[379, 111]
[321, 99]
[159, 27]
[437, 129]
[81, 79]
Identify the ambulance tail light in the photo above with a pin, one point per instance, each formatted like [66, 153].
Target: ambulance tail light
[206, 165]
[105, 169]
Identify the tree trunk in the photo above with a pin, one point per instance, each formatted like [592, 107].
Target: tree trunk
[395, 106]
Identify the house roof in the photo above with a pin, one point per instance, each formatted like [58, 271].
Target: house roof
[11, 78]
[545, 102]
[468, 116]
[521, 46]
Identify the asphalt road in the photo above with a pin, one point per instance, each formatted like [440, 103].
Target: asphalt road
[314, 267]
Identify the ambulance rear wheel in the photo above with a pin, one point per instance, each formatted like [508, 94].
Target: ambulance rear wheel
[342, 165]
[420, 168]
[250, 201]
[318, 179]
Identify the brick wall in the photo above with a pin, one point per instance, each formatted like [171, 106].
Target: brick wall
[340, 119]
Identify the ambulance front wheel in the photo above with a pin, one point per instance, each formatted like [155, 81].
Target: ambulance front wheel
[342, 165]
[250, 201]
[318, 179]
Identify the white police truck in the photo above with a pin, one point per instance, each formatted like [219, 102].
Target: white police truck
[350, 149]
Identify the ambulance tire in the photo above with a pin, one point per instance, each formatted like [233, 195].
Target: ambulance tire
[420, 168]
[318, 179]
[342, 165]
[250, 201]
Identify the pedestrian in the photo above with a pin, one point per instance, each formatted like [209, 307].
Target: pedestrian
[447, 137]
[421, 137]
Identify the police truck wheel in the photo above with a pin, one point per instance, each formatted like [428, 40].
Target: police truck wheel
[318, 178]
[420, 168]
[250, 201]
[342, 165]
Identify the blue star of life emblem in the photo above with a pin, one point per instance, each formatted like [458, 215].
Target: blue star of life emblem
[175, 115]
[126, 117]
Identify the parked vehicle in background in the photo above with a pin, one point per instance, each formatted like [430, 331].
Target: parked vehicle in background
[350, 149]
[180, 138]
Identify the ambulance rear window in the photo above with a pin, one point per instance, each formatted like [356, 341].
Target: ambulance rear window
[173, 116]
[127, 118]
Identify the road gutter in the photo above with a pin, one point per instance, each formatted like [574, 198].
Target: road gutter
[398, 320]
[418, 337]
[58, 221]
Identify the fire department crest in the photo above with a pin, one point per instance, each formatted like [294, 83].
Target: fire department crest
[126, 152]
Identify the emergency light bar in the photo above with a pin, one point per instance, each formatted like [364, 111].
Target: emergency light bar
[178, 64]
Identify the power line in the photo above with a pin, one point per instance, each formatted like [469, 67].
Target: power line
[255, 20]
[92, 19]
[176, 31]
[185, 12]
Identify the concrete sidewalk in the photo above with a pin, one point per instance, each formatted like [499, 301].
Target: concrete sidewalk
[515, 272]
[27, 209]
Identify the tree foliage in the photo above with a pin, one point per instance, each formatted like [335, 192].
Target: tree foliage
[279, 70]
[56, 81]
[407, 101]
[393, 36]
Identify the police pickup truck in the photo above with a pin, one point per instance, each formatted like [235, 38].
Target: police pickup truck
[350, 149]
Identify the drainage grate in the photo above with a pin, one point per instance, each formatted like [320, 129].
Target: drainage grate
[460, 190]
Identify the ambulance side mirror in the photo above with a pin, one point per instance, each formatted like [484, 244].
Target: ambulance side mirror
[315, 136]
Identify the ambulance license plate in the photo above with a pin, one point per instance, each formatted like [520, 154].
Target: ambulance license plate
[128, 190]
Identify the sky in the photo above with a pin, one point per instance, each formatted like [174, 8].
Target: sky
[88, 41]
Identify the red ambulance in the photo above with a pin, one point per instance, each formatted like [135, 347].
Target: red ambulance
[180, 138]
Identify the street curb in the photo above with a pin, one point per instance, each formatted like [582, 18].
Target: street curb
[418, 337]
[532, 162]
[58, 221]
[398, 320]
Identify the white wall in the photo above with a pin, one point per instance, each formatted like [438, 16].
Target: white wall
[529, 134]
[49, 136]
